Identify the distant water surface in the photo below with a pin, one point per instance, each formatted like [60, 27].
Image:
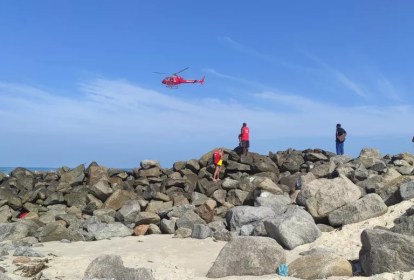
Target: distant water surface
[8, 170]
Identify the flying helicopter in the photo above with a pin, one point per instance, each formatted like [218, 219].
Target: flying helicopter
[174, 80]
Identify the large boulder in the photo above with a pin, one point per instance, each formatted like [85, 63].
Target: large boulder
[370, 206]
[24, 178]
[112, 267]
[386, 251]
[248, 256]
[96, 174]
[55, 232]
[292, 228]
[239, 216]
[13, 231]
[102, 231]
[407, 190]
[74, 176]
[320, 266]
[292, 163]
[278, 203]
[322, 196]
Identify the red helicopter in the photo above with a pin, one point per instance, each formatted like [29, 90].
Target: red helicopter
[174, 80]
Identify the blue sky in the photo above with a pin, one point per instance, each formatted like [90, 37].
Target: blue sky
[77, 82]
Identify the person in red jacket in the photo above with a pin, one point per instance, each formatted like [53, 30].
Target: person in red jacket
[218, 162]
[244, 138]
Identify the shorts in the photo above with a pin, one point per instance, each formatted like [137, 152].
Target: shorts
[219, 163]
[245, 144]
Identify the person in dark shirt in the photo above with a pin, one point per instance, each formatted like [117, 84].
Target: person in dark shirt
[340, 139]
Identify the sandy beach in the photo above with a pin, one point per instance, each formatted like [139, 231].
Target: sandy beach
[172, 258]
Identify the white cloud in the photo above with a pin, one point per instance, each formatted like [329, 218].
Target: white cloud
[341, 77]
[388, 89]
[250, 83]
[243, 48]
[121, 123]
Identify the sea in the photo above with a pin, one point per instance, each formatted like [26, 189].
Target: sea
[8, 170]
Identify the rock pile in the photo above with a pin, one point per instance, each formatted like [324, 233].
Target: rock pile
[288, 197]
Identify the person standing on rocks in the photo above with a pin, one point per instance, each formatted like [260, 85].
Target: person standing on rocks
[218, 162]
[340, 139]
[244, 139]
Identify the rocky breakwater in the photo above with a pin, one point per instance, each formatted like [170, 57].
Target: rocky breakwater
[256, 207]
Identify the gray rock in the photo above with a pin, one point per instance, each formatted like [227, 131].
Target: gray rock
[407, 190]
[278, 203]
[55, 231]
[198, 198]
[183, 232]
[370, 206]
[147, 218]
[101, 190]
[54, 198]
[229, 184]
[156, 205]
[189, 219]
[168, 226]
[27, 252]
[128, 213]
[4, 276]
[179, 211]
[293, 228]
[265, 166]
[323, 169]
[103, 231]
[96, 174]
[237, 197]
[322, 196]
[223, 235]
[386, 251]
[243, 215]
[315, 157]
[11, 198]
[404, 225]
[193, 165]
[292, 163]
[405, 170]
[201, 231]
[235, 166]
[325, 228]
[248, 256]
[322, 266]
[74, 176]
[78, 199]
[148, 163]
[112, 267]
[24, 178]
[151, 172]
[5, 214]
[266, 184]
[13, 231]
[118, 199]
[370, 153]
[217, 225]
[153, 229]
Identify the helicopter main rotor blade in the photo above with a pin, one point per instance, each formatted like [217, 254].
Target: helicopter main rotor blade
[160, 73]
[181, 71]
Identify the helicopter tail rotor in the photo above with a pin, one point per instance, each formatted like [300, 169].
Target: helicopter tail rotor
[202, 80]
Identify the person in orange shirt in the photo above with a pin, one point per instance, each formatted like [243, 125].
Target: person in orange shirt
[244, 138]
[218, 162]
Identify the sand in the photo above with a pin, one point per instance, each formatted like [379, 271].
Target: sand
[184, 259]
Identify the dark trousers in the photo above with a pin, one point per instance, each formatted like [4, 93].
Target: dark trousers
[339, 148]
